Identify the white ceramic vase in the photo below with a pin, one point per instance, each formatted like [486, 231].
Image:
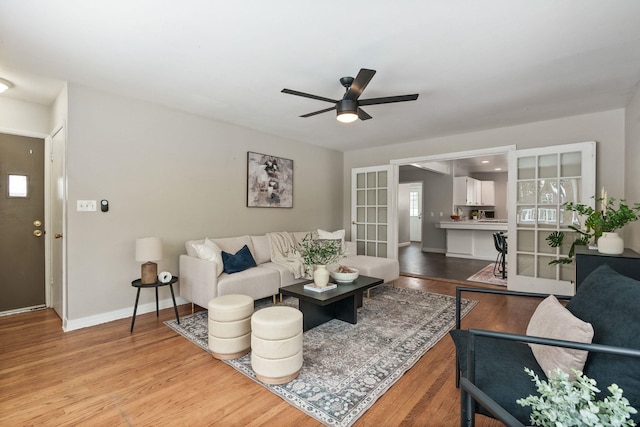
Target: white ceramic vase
[610, 243]
[321, 276]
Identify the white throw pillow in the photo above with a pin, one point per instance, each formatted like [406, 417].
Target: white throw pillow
[209, 251]
[552, 320]
[335, 235]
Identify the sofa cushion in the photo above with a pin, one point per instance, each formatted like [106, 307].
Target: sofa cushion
[552, 320]
[240, 261]
[335, 235]
[261, 249]
[232, 245]
[257, 282]
[190, 246]
[298, 236]
[499, 371]
[209, 251]
[607, 300]
[387, 269]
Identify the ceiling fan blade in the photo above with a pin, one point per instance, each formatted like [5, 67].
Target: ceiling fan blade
[308, 95]
[362, 115]
[360, 83]
[388, 99]
[318, 112]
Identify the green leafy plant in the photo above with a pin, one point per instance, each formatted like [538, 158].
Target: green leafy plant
[318, 251]
[609, 219]
[564, 403]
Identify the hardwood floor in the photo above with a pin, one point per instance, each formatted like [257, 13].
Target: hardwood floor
[414, 262]
[105, 376]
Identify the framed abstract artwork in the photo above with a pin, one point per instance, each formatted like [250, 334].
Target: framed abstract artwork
[269, 181]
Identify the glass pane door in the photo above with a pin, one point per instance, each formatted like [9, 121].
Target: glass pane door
[370, 210]
[541, 181]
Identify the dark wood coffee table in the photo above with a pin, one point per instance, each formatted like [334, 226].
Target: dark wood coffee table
[340, 303]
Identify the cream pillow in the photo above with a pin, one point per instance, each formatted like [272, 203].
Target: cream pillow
[335, 235]
[209, 251]
[552, 320]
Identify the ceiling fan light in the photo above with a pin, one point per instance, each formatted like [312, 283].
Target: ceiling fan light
[347, 111]
[347, 117]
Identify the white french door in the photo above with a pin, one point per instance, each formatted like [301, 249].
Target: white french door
[540, 181]
[372, 198]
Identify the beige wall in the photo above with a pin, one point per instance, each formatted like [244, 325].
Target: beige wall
[632, 166]
[173, 175]
[23, 117]
[607, 128]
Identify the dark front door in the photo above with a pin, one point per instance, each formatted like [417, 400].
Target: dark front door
[22, 261]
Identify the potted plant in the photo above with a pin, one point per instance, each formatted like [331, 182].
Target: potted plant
[572, 403]
[597, 225]
[319, 253]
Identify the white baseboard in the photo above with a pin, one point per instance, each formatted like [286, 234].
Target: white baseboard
[402, 244]
[97, 319]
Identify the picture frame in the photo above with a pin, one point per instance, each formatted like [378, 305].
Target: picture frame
[269, 181]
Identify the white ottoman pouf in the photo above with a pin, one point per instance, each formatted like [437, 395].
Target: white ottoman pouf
[230, 326]
[276, 344]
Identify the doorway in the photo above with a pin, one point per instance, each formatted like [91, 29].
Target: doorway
[22, 247]
[436, 174]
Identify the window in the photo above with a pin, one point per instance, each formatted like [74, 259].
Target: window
[17, 186]
[414, 200]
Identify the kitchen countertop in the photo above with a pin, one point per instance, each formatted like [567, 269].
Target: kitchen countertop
[492, 225]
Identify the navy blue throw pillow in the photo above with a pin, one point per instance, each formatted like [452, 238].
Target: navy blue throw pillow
[238, 262]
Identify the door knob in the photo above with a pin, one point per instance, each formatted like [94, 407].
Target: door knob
[37, 233]
[37, 223]
[58, 236]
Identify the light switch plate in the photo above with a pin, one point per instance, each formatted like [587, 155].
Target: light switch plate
[87, 205]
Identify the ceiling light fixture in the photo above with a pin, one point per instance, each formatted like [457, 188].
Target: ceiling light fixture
[484, 161]
[347, 110]
[5, 84]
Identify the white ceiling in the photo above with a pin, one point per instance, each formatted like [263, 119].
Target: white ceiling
[476, 64]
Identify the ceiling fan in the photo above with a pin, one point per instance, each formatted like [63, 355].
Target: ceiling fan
[348, 108]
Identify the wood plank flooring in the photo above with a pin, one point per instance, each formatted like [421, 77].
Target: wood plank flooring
[105, 376]
[414, 262]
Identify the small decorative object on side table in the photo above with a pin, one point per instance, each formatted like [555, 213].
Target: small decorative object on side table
[138, 284]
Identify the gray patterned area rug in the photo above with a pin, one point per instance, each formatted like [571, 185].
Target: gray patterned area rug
[348, 367]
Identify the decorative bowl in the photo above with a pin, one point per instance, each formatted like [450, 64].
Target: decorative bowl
[455, 217]
[343, 274]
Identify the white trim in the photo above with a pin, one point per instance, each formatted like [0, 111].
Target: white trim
[97, 319]
[456, 155]
[403, 244]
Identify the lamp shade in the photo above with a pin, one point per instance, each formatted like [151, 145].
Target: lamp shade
[149, 249]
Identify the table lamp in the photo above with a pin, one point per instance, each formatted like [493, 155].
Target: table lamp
[149, 249]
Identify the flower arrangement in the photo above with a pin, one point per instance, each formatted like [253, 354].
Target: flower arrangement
[609, 219]
[564, 403]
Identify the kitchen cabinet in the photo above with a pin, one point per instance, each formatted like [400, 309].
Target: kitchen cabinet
[488, 190]
[471, 239]
[469, 191]
[466, 191]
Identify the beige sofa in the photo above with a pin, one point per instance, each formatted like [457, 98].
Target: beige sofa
[201, 279]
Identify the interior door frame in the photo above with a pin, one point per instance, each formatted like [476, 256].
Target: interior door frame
[50, 178]
[434, 158]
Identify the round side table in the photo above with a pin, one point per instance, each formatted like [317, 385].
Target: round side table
[138, 284]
